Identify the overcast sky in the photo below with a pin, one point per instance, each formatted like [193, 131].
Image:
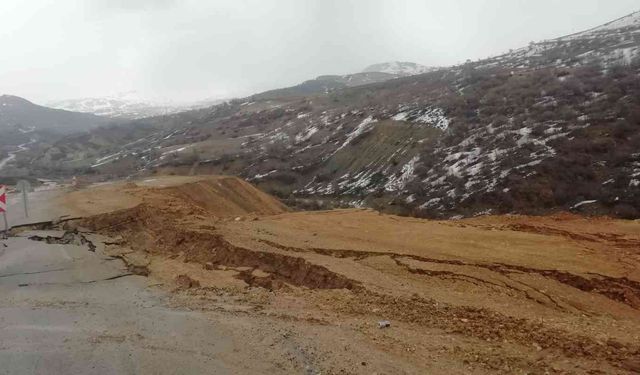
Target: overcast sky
[191, 49]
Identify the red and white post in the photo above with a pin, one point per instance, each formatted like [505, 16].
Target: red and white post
[3, 205]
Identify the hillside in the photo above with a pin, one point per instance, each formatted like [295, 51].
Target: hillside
[16, 112]
[539, 129]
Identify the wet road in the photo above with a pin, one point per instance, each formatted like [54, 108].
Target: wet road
[41, 206]
[67, 310]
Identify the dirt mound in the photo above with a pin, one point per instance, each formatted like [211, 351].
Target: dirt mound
[217, 196]
[225, 196]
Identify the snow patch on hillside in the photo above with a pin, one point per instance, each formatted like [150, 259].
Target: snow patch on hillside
[399, 68]
[306, 134]
[363, 127]
[398, 182]
[431, 115]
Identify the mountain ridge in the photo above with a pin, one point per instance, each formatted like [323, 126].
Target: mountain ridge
[633, 17]
[533, 131]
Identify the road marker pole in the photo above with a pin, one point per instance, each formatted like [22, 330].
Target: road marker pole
[3, 206]
[24, 200]
[24, 187]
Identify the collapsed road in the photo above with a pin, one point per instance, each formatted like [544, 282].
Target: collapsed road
[69, 306]
[239, 283]
[59, 314]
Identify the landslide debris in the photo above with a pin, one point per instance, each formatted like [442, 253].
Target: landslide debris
[161, 231]
[180, 224]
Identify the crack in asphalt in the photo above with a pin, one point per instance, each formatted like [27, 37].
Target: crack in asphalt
[81, 282]
[34, 272]
[69, 237]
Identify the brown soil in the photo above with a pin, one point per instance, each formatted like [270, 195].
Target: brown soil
[213, 195]
[226, 196]
[510, 294]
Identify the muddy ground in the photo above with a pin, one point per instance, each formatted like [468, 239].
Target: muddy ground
[497, 294]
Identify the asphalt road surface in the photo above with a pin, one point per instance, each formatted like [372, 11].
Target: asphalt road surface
[67, 310]
[41, 206]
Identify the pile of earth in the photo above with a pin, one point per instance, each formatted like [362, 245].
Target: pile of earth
[225, 196]
[180, 221]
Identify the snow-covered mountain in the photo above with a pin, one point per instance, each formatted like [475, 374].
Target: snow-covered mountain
[399, 68]
[126, 106]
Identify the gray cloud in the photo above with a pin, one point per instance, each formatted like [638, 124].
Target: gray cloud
[191, 49]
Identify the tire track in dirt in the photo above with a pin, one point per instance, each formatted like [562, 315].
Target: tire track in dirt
[620, 289]
[615, 239]
[612, 239]
[480, 282]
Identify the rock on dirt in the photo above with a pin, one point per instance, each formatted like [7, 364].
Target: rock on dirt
[186, 282]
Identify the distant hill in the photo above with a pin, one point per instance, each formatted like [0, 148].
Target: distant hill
[21, 114]
[399, 68]
[126, 106]
[328, 83]
[27, 128]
